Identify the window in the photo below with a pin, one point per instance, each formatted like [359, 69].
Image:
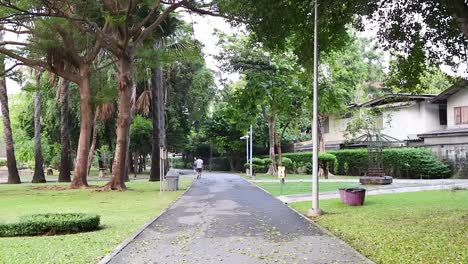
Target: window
[461, 115]
[443, 114]
[326, 125]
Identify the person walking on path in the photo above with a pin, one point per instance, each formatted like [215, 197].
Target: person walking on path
[199, 167]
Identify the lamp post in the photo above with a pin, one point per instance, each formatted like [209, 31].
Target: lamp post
[246, 137]
[251, 151]
[315, 210]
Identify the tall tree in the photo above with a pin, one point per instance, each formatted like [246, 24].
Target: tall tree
[38, 176]
[46, 32]
[64, 173]
[13, 176]
[272, 81]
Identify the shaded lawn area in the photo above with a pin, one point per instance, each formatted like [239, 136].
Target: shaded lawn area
[122, 213]
[421, 227]
[303, 187]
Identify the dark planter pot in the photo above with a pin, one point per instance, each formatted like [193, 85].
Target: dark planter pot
[353, 196]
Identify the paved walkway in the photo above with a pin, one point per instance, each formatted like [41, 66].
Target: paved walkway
[385, 189]
[225, 219]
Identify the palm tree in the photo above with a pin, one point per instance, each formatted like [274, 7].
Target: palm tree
[13, 176]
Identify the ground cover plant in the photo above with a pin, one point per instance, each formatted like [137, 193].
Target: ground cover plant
[421, 227]
[122, 213]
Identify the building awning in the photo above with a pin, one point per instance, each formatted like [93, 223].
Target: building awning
[397, 98]
[445, 133]
[443, 96]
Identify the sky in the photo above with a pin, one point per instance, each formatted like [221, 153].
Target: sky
[204, 28]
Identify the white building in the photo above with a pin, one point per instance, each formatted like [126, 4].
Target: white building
[401, 117]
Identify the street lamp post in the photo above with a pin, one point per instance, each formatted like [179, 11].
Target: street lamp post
[315, 210]
[251, 151]
[246, 137]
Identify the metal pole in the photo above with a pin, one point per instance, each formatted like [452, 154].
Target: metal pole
[315, 210]
[251, 150]
[247, 152]
[160, 170]
[211, 154]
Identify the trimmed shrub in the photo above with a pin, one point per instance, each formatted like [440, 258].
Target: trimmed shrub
[50, 224]
[267, 162]
[411, 163]
[287, 162]
[304, 159]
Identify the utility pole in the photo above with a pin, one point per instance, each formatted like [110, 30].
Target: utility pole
[315, 210]
[251, 151]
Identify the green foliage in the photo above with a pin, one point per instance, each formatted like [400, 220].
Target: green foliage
[42, 224]
[266, 161]
[141, 131]
[288, 163]
[409, 163]
[179, 163]
[219, 164]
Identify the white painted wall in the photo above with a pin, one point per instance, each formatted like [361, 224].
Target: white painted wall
[456, 100]
[402, 123]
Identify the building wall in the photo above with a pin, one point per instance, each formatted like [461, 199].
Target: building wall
[407, 122]
[458, 99]
[401, 123]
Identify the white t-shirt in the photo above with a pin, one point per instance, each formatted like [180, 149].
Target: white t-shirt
[199, 163]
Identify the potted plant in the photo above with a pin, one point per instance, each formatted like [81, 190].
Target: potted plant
[353, 196]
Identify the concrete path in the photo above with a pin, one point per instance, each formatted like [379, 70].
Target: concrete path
[333, 195]
[224, 219]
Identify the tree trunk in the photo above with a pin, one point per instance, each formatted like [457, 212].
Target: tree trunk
[279, 140]
[81, 165]
[13, 176]
[156, 101]
[64, 174]
[323, 170]
[123, 125]
[93, 145]
[271, 141]
[38, 176]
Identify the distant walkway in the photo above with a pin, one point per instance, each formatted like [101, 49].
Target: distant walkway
[385, 189]
[225, 219]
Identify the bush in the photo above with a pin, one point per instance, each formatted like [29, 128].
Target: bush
[304, 159]
[179, 163]
[219, 164]
[287, 162]
[47, 224]
[3, 163]
[409, 163]
[267, 162]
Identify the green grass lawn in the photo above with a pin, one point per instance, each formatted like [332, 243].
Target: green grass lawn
[122, 213]
[303, 187]
[422, 227]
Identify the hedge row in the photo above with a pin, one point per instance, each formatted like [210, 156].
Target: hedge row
[43, 224]
[411, 163]
[296, 160]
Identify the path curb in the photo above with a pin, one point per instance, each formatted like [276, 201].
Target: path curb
[127, 241]
[323, 229]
